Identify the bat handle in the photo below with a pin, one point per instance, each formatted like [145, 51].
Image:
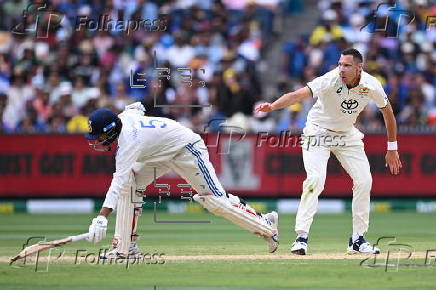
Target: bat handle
[79, 237]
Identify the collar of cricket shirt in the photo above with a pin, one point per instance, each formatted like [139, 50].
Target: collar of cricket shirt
[364, 84]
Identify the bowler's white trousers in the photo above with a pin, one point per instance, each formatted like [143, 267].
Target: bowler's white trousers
[349, 150]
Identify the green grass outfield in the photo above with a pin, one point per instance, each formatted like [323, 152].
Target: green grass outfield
[256, 270]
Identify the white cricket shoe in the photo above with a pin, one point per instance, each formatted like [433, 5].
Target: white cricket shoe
[273, 241]
[134, 252]
[299, 247]
[361, 246]
[112, 254]
[134, 249]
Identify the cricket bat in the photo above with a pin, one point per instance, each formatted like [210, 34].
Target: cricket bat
[41, 246]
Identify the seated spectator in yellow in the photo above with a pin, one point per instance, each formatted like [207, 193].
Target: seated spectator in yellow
[327, 31]
[78, 124]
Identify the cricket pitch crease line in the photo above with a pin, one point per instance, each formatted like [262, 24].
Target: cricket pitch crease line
[316, 256]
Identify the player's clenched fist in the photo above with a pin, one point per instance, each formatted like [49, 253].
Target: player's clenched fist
[97, 229]
[265, 107]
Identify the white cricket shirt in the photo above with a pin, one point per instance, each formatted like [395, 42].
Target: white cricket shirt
[337, 107]
[147, 140]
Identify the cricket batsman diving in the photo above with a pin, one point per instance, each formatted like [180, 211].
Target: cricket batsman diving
[149, 147]
[341, 95]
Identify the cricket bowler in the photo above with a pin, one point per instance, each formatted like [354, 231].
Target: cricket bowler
[341, 95]
[148, 147]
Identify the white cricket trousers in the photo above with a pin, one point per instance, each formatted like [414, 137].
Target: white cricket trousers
[349, 150]
[192, 163]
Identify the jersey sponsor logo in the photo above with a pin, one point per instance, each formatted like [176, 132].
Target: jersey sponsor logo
[338, 91]
[348, 106]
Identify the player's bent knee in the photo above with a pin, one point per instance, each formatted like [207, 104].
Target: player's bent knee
[209, 203]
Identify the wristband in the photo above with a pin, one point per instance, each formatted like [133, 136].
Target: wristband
[393, 145]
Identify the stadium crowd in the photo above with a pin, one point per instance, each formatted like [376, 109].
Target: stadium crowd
[60, 62]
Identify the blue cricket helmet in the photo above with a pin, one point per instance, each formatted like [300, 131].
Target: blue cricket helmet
[104, 128]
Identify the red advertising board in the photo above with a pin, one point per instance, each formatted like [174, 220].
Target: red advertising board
[64, 165]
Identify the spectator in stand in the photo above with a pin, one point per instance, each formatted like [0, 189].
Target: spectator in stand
[56, 123]
[5, 69]
[328, 30]
[53, 87]
[121, 98]
[415, 112]
[181, 52]
[14, 11]
[69, 110]
[79, 123]
[41, 105]
[19, 93]
[3, 102]
[80, 93]
[30, 123]
[291, 119]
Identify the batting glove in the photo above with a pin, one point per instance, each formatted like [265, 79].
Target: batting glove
[97, 229]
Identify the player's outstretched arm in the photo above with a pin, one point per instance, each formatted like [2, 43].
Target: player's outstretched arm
[285, 100]
[392, 156]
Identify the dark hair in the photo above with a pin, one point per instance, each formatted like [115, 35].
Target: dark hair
[357, 56]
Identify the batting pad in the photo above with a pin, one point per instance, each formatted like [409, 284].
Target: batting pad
[128, 209]
[240, 214]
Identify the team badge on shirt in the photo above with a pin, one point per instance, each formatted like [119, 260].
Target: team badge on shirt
[363, 91]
